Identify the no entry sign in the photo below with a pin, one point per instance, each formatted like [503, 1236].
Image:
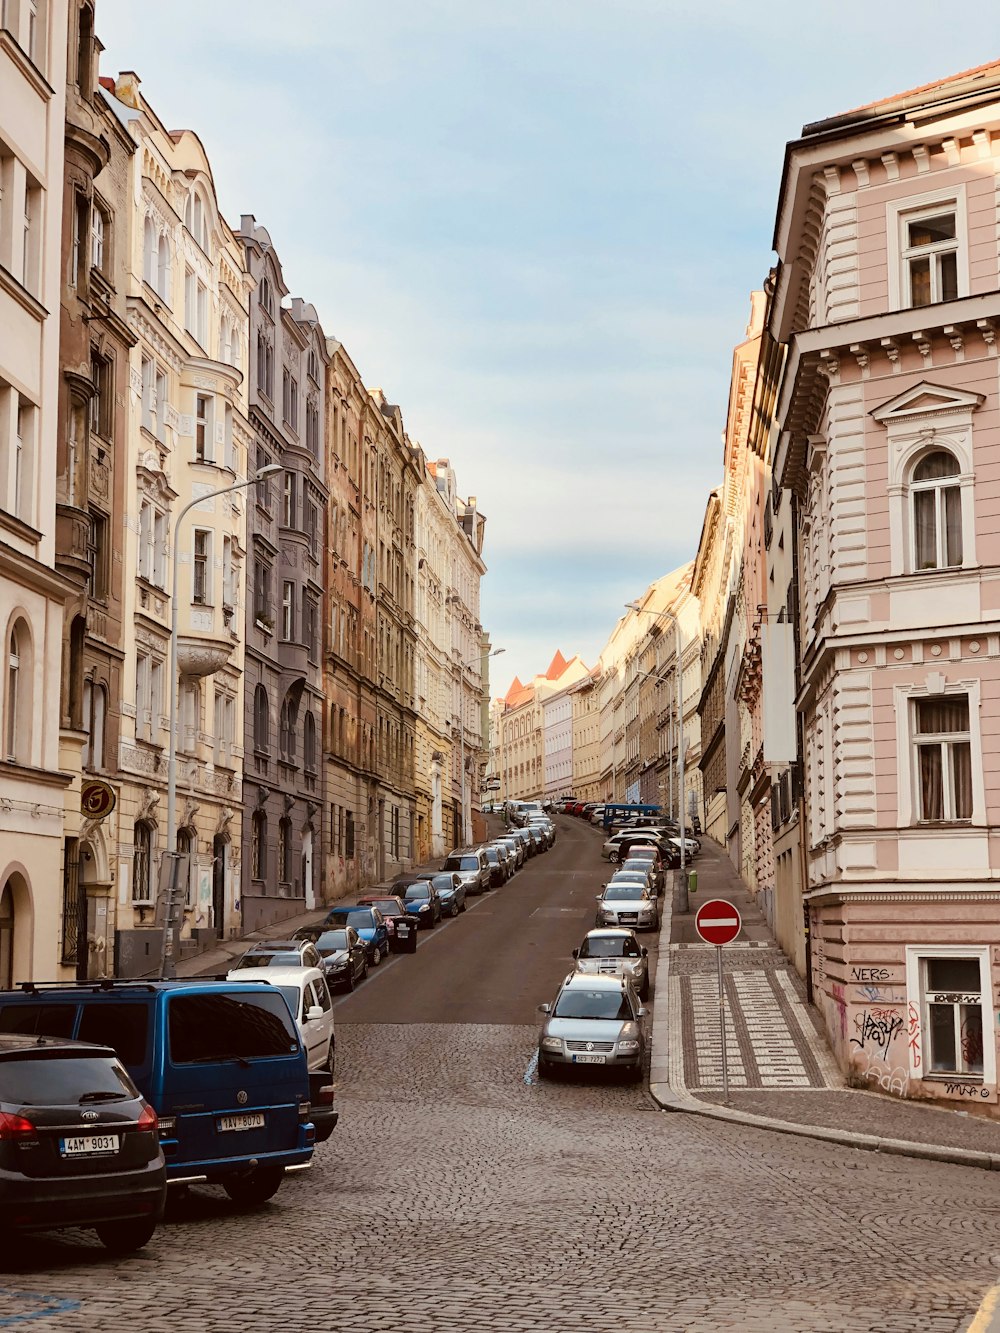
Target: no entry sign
[718, 922]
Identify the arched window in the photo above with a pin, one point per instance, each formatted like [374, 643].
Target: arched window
[163, 268]
[936, 499]
[225, 340]
[6, 936]
[149, 252]
[195, 220]
[286, 732]
[309, 743]
[261, 721]
[18, 704]
[285, 850]
[258, 845]
[142, 855]
[186, 844]
[267, 296]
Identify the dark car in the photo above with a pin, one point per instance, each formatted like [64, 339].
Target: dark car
[344, 957]
[422, 901]
[296, 952]
[368, 922]
[451, 891]
[400, 925]
[498, 866]
[79, 1145]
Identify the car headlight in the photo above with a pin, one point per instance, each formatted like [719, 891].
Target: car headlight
[629, 1044]
[424, 907]
[339, 965]
[552, 1043]
[635, 968]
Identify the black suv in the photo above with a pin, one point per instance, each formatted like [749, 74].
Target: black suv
[79, 1146]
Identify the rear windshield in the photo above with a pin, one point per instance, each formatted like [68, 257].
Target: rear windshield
[359, 917]
[205, 1028]
[462, 863]
[331, 941]
[619, 892]
[443, 883]
[492, 855]
[64, 1081]
[122, 1026]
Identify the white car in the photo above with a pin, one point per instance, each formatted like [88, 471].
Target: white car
[308, 997]
[615, 953]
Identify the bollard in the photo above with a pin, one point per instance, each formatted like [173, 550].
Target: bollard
[693, 882]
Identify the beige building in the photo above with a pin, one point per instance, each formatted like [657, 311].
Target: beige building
[33, 73]
[189, 436]
[585, 696]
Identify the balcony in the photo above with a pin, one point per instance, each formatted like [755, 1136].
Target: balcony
[202, 655]
[293, 659]
[73, 542]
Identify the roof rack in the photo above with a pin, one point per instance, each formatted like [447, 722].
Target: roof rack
[101, 984]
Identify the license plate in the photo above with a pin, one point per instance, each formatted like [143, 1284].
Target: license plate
[92, 1145]
[590, 1059]
[252, 1120]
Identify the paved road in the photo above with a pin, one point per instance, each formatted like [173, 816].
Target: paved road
[456, 1196]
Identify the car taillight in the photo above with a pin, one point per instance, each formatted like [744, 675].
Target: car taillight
[148, 1123]
[305, 1110]
[15, 1127]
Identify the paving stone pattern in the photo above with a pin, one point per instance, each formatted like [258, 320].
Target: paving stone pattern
[767, 1044]
[454, 1197]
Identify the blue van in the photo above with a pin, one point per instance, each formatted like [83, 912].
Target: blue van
[221, 1063]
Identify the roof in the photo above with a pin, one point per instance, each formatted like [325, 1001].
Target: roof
[594, 980]
[276, 976]
[978, 78]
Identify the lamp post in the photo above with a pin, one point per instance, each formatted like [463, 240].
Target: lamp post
[271, 470]
[461, 732]
[682, 902]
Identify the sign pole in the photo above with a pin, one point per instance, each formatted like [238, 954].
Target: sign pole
[722, 1027]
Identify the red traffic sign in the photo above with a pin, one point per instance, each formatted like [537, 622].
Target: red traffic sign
[718, 922]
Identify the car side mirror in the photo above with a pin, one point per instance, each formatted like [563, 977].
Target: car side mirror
[645, 952]
[576, 953]
[597, 897]
[545, 1008]
[641, 1011]
[314, 1012]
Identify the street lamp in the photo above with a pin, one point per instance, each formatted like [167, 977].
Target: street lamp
[670, 615]
[461, 731]
[261, 475]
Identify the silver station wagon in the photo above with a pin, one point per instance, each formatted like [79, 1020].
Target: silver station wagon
[595, 1020]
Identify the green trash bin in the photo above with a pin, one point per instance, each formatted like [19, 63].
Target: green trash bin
[693, 881]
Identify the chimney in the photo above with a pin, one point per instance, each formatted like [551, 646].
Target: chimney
[127, 88]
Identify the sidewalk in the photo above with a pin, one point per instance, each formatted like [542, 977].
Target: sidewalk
[782, 1075]
[220, 959]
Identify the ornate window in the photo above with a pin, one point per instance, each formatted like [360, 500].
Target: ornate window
[261, 721]
[142, 875]
[309, 743]
[258, 845]
[18, 703]
[936, 499]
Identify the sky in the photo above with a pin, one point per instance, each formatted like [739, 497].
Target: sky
[536, 226]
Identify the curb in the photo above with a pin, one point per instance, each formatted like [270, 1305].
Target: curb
[669, 1099]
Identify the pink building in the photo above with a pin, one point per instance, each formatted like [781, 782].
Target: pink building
[889, 437]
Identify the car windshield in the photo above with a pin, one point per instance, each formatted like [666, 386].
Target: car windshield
[359, 917]
[607, 1004]
[418, 892]
[609, 946]
[270, 960]
[491, 854]
[443, 883]
[618, 892]
[388, 906]
[331, 941]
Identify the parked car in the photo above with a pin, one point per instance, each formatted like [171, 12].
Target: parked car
[545, 826]
[642, 875]
[613, 952]
[369, 924]
[497, 864]
[344, 957]
[527, 840]
[627, 905]
[472, 866]
[653, 862]
[594, 1020]
[619, 845]
[516, 847]
[450, 890]
[402, 930]
[322, 1111]
[222, 1064]
[509, 857]
[422, 902]
[299, 951]
[308, 998]
[79, 1144]
[538, 837]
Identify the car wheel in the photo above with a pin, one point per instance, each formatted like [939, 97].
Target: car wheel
[126, 1237]
[350, 980]
[454, 909]
[613, 857]
[464, 905]
[544, 1068]
[331, 1060]
[376, 956]
[260, 1185]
